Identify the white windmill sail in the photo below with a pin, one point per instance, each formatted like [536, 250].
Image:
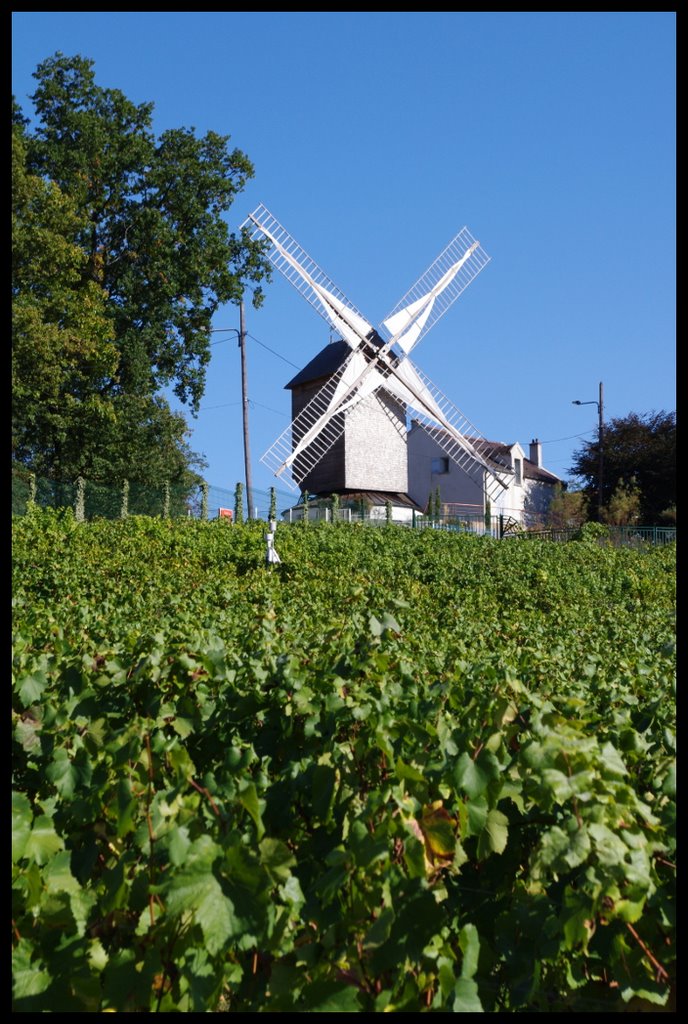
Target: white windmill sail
[305, 275]
[429, 408]
[381, 364]
[418, 312]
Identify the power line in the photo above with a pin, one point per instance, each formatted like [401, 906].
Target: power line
[570, 438]
[227, 405]
[283, 358]
[262, 343]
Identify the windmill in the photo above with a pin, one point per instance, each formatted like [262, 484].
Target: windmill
[376, 362]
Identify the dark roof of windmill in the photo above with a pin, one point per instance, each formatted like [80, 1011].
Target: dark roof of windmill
[327, 362]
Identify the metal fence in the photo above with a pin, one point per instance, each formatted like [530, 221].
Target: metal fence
[90, 500]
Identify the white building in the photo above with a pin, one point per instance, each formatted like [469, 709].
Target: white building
[525, 499]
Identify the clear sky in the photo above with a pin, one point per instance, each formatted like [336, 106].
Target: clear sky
[375, 138]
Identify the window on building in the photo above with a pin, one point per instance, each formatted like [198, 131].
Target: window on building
[517, 472]
[440, 465]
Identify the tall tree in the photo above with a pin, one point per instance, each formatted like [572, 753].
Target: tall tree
[637, 446]
[62, 355]
[152, 231]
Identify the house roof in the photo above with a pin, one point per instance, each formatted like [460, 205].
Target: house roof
[499, 452]
[533, 472]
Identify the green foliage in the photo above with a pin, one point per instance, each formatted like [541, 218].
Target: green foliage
[567, 509]
[640, 446]
[272, 513]
[204, 500]
[62, 352]
[624, 504]
[115, 286]
[239, 504]
[593, 532]
[404, 771]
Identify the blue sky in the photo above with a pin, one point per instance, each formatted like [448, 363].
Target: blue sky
[375, 137]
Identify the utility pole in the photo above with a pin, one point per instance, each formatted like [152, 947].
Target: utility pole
[244, 398]
[601, 447]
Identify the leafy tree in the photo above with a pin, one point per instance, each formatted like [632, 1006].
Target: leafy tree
[624, 504]
[62, 353]
[567, 509]
[640, 446]
[151, 236]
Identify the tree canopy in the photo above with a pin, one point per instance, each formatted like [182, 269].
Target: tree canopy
[121, 256]
[639, 451]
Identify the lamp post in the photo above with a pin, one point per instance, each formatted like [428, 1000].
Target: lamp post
[241, 340]
[600, 472]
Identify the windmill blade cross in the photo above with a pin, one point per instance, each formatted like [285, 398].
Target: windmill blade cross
[378, 359]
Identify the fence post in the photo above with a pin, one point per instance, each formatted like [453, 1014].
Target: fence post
[204, 500]
[80, 503]
[124, 508]
[166, 500]
[31, 500]
[239, 503]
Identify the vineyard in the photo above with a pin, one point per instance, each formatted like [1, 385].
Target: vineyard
[399, 771]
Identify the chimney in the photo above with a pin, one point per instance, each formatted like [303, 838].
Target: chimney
[536, 452]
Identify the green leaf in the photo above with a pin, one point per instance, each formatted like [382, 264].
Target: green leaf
[613, 761]
[380, 930]
[248, 797]
[63, 774]
[29, 977]
[27, 734]
[494, 836]
[473, 777]
[414, 857]
[21, 824]
[558, 783]
[609, 847]
[127, 806]
[466, 998]
[43, 841]
[31, 687]
[561, 850]
[330, 997]
[277, 859]
[669, 784]
[469, 941]
[178, 844]
[194, 889]
[476, 813]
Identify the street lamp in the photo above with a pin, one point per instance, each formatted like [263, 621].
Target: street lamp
[600, 414]
[241, 338]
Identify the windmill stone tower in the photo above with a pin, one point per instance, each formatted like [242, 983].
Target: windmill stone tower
[370, 453]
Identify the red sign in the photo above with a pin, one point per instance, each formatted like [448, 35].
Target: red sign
[225, 513]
